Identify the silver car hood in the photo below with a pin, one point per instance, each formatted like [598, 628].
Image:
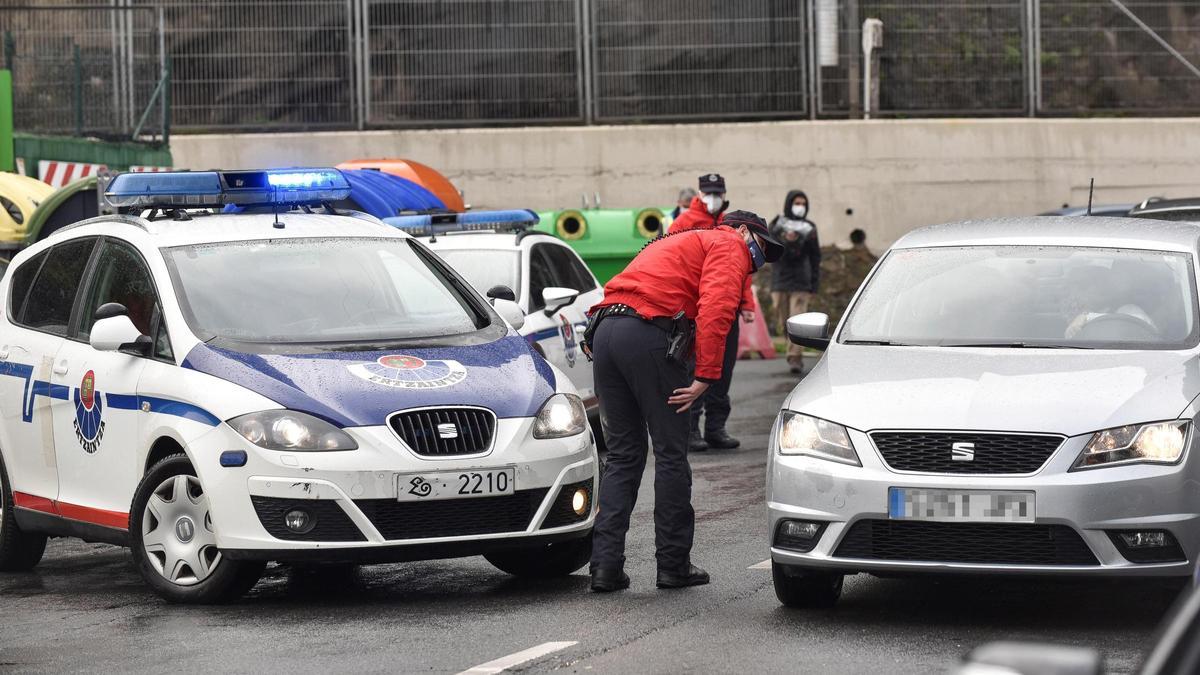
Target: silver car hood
[1055, 391]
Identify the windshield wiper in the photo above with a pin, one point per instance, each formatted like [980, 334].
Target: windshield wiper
[1010, 345]
[881, 343]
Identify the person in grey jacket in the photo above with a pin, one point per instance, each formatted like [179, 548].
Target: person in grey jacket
[796, 277]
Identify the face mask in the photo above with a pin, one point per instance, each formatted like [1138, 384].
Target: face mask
[799, 211]
[712, 202]
[757, 257]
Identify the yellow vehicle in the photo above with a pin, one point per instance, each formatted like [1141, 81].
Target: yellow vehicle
[19, 196]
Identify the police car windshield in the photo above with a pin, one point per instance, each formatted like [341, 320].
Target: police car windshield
[327, 290]
[484, 269]
[1028, 296]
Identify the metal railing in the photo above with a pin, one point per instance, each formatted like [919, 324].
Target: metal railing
[94, 68]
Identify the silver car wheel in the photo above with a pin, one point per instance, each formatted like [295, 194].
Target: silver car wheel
[177, 532]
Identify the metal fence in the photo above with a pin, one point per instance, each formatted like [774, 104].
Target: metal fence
[337, 64]
[84, 70]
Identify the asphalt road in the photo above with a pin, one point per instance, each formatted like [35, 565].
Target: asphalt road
[85, 608]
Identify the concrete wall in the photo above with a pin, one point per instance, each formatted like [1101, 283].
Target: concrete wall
[883, 176]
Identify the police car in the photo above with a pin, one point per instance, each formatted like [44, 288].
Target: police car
[550, 282]
[292, 383]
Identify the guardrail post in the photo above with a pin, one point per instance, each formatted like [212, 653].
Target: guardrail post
[7, 151]
[10, 50]
[166, 102]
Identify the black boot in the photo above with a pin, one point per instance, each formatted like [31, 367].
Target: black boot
[721, 440]
[609, 579]
[689, 576]
[695, 443]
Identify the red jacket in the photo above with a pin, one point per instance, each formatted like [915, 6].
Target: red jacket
[699, 273]
[697, 217]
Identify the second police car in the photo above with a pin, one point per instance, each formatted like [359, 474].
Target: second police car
[221, 390]
[548, 280]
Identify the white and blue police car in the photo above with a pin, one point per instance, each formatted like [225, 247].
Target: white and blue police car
[293, 383]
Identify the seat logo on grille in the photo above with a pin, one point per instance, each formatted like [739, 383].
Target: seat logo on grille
[962, 452]
[447, 431]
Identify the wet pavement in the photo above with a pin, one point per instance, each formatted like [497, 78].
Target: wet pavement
[86, 609]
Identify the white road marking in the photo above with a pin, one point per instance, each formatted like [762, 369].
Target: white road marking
[505, 662]
[764, 565]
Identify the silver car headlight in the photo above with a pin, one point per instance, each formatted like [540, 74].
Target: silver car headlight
[291, 430]
[1154, 443]
[806, 435]
[561, 415]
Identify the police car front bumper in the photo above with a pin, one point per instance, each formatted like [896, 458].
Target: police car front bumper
[353, 498]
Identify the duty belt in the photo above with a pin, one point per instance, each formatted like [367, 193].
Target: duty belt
[662, 323]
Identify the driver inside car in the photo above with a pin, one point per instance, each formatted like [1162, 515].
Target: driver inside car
[1093, 294]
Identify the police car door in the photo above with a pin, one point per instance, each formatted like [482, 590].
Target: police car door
[96, 428]
[570, 272]
[42, 294]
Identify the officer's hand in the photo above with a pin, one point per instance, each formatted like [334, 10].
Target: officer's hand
[687, 396]
[748, 316]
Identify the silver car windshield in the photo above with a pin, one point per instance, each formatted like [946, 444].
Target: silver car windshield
[484, 269]
[349, 290]
[1028, 296]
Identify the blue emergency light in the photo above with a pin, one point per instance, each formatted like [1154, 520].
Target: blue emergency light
[214, 189]
[472, 221]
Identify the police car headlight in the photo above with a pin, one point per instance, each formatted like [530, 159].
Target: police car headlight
[805, 435]
[291, 430]
[1157, 443]
[561, 415]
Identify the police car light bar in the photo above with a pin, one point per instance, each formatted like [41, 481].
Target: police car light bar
[514, 220]
[203, 189]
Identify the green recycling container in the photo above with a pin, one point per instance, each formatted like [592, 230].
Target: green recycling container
[606, 239]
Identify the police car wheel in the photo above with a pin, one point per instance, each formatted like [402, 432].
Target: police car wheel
[19, 551]
[174, 543]
[542, 562]
[802, 588]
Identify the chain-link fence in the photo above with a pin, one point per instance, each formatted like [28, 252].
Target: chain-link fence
[83, 70]
[93, 68]
[666, 60]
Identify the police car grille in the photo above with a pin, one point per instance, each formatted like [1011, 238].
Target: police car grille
[453, 517]
[933, 452]
[979, 543]
[445, 432]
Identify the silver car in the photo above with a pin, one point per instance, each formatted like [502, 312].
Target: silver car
[1005, 396]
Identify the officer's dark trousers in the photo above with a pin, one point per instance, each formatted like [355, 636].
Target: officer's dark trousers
[714, 404]
[633, 382]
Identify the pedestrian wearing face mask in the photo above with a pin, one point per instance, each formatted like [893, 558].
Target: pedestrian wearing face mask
[707, 212]
[658, 341]
[796, 277]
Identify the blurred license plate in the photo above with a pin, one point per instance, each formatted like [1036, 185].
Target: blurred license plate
[964, 506]
[422, 487]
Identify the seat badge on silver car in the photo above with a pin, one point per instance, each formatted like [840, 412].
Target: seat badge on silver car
[447, 431]
[962, 452]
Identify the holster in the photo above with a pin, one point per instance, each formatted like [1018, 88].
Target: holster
[680, 338]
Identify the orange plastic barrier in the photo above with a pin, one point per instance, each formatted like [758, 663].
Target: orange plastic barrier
[425, 176]
[755, 338]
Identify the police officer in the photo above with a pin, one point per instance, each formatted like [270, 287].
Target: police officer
[706, 212]
[644, 379]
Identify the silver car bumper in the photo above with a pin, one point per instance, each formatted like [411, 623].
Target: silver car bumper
[1090, 502]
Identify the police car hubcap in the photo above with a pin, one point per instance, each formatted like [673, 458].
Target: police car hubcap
[177, 532]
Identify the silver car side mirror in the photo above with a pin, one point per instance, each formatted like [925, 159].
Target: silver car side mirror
[809, 330]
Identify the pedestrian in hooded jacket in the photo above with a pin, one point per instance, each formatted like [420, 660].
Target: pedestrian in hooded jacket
[699, 274]
[795, 278]
[706, 212]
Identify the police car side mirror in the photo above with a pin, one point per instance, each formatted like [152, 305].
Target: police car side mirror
[511, 312]
[114, 330]
[501, 292]
[809, 330]
[556, 298]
